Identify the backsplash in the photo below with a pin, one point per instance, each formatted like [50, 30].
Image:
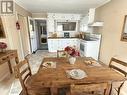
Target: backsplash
[61, 34]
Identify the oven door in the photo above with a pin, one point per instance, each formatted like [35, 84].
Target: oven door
[82, 49]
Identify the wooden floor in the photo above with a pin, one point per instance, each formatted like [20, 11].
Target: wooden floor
[5, 85]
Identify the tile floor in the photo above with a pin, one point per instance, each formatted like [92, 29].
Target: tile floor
[11, 86]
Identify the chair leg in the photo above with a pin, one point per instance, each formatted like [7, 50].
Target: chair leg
[110, 89]
[120, 88]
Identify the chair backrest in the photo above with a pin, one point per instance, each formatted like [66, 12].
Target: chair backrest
[61, 53]
[119, 66]
[89, 89]
[23, 71]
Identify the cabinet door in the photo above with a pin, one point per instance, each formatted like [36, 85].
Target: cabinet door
[55, 45]
[61, 44]
[78, 44]
[73, 42]
[50, 45]
[92, 50]
[91, 15]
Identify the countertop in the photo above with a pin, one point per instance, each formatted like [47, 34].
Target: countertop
[62, 38]
[84, 40]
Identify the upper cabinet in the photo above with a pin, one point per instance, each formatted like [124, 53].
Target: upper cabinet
[91, 15]
[88, 18]
[89, 21]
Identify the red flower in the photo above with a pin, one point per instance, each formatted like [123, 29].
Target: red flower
[3, 45]
[72, 51]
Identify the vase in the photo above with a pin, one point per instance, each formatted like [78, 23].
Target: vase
[72, 60]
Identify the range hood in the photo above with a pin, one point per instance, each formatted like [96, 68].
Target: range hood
[91, 16]
[99, 23]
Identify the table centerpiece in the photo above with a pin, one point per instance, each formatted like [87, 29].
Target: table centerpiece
[72, 54]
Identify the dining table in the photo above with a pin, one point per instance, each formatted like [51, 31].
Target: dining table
[56, 77]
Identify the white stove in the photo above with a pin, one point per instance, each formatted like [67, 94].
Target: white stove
[90, 47]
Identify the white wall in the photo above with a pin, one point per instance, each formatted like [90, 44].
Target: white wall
[12, 39]
[112, 14]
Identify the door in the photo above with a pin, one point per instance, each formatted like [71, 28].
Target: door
[32, 34]
[24, 35]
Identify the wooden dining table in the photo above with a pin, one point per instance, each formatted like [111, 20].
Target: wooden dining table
[55, 78]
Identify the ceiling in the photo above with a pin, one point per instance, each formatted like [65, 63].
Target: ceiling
[60, 6]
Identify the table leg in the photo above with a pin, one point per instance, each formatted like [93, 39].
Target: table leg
[54, 91]
[108, 91]
[16, 60]
[10, 67]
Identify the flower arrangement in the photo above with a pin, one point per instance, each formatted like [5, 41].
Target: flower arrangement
[3, 46]
[72, 51]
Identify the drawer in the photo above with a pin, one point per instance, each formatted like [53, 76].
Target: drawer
[4, 59]
[12, 55]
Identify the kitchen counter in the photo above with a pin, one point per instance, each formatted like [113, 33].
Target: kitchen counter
[62, 38]
[72, 38]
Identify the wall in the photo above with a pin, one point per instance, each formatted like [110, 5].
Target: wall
[113, 16]
[39, 15]
[13, 38]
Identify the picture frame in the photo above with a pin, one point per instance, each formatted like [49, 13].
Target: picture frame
[2, 32]
[124, 30]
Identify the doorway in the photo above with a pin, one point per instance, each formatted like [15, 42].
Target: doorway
[32, 34]
[41, 29]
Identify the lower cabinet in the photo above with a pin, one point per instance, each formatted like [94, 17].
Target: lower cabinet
[60, 44]
[53, 45]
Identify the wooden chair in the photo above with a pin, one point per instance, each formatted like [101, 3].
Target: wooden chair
[23, 72]
[61, 53]
[121, 67]
[89, 89]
